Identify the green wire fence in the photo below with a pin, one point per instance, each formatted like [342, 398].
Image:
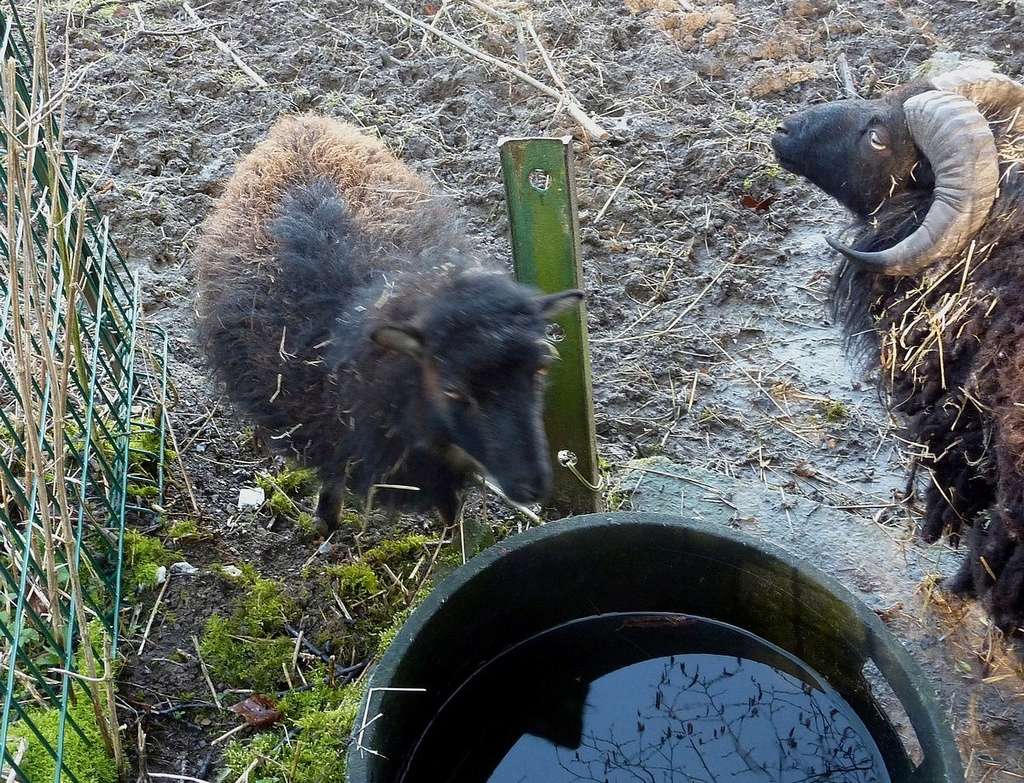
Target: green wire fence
[82, 430]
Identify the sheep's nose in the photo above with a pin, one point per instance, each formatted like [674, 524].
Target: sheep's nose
[786, 127]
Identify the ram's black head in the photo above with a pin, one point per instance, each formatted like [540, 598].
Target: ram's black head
[859, 152]
[483, 356]
[929, 134]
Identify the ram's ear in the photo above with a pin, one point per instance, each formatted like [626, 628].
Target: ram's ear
[401, 338]
[554, 304]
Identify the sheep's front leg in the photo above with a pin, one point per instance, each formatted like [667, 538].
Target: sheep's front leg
[328, 507]
[962, 482]
[449, 507]
[994, 567]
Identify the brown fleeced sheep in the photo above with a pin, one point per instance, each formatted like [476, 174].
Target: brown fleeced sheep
[347, 315]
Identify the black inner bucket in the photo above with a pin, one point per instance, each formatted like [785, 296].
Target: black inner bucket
[598, 564]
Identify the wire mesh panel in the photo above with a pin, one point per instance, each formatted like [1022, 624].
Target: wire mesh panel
[81, 435]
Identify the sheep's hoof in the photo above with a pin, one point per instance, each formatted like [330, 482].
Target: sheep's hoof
[961, 583]
[322, 528]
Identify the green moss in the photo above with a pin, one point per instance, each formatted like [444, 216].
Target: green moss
[265, 608]
[387, 636]
[244, 661]
[145, 576]
[86, 758]
[835, 411]
[185, 529]
[616, 499]
[306, 523]
[144, 491]
[395, 551]
[76, 439]
[324, 717]
[143, 556]
[282, 506]
[310, 744]
[355, 580]
[322, 697]
[144, 444]
[298, 482]
[246, 649]
[284, 488]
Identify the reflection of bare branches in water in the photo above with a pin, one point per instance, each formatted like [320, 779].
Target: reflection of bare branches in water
[748, 724]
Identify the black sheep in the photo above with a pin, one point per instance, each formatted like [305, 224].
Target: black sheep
[933, 286]
[349, 318]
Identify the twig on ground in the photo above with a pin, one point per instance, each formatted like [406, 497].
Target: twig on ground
[533, 518]
[106, 3]
[719, 496]
[615, 191]
[206, 674]
[229, 734]
[140, 737]
[152, 615]
[173, 707]
[494, 13]
[187, 31]
[244, 777]
[846, 77]
[547, 60]
[224, 47]
[143, 30]
[336, 30]
[18, 756]
[676, 320]
[574, 109]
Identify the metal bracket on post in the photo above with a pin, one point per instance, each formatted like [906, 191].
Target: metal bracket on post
[540, 192]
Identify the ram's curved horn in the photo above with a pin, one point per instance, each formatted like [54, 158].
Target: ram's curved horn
[993, 93]
[956, 139]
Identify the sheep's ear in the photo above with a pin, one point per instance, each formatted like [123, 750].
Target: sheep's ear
[401, 338]
[554, 304]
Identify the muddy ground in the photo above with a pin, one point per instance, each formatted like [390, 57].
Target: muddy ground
[682, 209]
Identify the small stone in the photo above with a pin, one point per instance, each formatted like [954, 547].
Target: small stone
[161, 575]
[186, 569]
[233, 571]
[250, 497]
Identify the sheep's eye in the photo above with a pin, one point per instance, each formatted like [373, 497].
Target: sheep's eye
[542, 371]
[455, 395]
[876, 141]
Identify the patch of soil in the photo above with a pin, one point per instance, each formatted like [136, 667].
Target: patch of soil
[683, 210]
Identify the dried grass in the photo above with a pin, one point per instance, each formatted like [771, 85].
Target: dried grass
[927, 323]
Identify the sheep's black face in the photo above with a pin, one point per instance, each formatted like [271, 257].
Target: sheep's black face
[859, 152]
[483, 358]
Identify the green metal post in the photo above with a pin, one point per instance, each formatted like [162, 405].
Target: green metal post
[539, 187]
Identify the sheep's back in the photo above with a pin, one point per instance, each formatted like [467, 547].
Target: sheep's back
[388, 201]
[261, 329]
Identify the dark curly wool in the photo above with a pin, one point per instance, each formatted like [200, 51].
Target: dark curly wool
[972, 426]
[323, 242]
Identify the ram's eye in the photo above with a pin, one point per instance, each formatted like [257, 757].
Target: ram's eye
[876, 141]
[455, 395]
[542, 371]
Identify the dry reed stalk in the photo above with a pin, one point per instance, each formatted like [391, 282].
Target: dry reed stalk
[42, 276]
